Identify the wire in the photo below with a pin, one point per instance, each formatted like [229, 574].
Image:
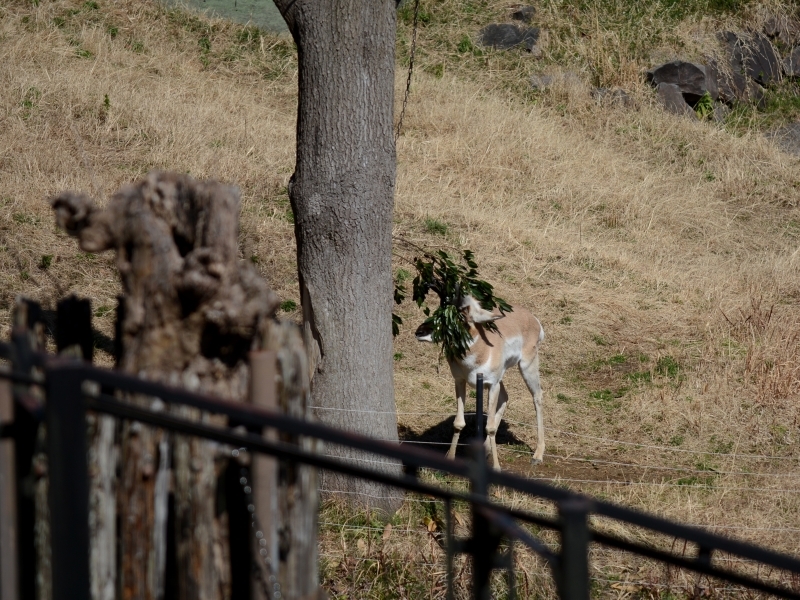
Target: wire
[677, 485]
[655, 447]
[650, 467]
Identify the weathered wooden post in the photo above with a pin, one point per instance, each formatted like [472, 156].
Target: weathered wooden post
[264, 474]
[191, 313]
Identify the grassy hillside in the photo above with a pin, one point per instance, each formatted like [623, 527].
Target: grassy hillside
[661, 254]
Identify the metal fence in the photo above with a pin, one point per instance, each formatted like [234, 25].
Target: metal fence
[494, 529]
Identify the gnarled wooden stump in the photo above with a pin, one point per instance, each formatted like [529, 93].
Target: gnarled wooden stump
[190, 313]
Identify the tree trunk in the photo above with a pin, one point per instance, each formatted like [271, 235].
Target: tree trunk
[342, 195]
[191, 313]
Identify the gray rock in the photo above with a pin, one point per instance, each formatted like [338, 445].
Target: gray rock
[733, 86]
[784, 29]
[690, 78]
[616, 96]
[672, 99]
[787, 138]
[721, 112]
[524, 14]
[754, 56]
[506, 35]
[791, 64]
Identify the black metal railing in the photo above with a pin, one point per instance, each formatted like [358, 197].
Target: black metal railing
[68, 398]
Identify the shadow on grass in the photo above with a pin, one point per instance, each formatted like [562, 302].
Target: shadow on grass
[437, 437]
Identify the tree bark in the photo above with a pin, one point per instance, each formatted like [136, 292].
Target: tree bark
[342, 195]
[191, 313]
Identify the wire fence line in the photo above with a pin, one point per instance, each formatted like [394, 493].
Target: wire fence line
[550, 430]
[422, 529]
[618, 482]
[601, 461]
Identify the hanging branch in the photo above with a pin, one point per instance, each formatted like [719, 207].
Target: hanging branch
[451, 279]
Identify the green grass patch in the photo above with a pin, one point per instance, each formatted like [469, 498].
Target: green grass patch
[102, 311]
[288, 305]
[607, 399]
[436, 227]
[668, 367]
[45, 261]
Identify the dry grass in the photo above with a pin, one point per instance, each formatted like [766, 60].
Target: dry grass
[661, 254]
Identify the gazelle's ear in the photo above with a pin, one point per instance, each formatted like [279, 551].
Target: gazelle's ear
[476, 313]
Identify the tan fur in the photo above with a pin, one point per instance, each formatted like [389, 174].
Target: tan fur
[491, 353]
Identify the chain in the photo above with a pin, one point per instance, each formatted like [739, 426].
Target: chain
[410, 70]
[262, 567]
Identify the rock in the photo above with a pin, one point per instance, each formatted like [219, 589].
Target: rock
[791, 64]
[671, 98]
[506, 35]
[616, 96]
[782, 28]
[731, 84]
[721, 112]
[755, 57]
[787, 138]
[524, 14]
[690, 78]
[734, 86]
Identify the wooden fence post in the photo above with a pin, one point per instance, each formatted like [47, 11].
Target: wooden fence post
[264, 471]
[298, 493]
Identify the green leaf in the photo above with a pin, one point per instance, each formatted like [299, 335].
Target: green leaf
[451, 279]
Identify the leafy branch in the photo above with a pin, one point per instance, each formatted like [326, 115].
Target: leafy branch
[451, 279]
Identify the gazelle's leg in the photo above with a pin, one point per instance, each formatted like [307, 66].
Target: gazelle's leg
[492, 422]
[502, 403]
[530, 373]
[458, 424]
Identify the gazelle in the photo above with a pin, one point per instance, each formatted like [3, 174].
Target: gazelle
[516, 342]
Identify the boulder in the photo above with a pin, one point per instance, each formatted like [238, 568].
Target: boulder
[733, 86]
[791, 64]
[524, 14]
[754, 56]
[690, 78]
[785, 30]
[503, 36]
[787, 138]
[671, 98]
[721, 112]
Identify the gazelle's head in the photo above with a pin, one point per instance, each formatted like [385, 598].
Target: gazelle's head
[472, 311]
[475, 313]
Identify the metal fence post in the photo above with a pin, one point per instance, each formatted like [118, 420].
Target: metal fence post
[484, 542]
[9, 568]
[69, 482]
[479, 407]
[74, 326]
[27, 318]
[573, 581]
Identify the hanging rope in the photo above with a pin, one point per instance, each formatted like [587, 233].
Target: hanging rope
[410, 70]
